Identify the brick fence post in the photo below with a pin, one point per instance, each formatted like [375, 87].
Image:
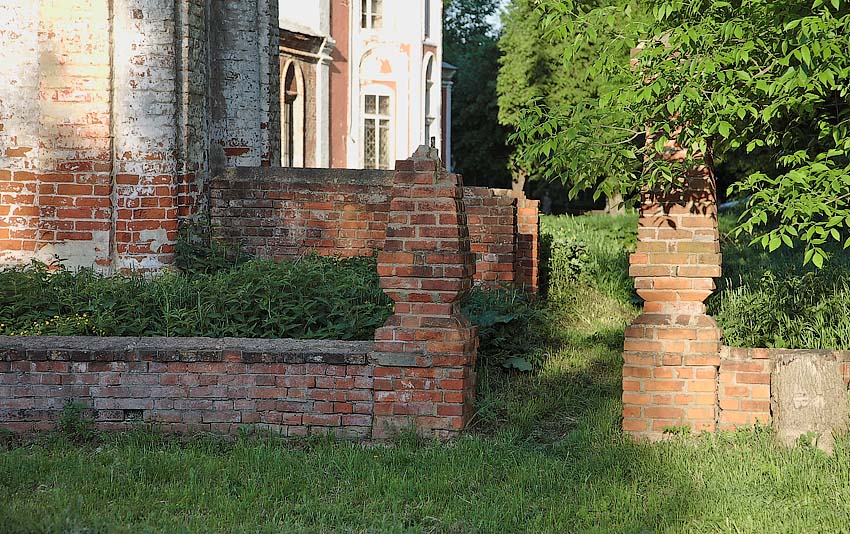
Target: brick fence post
[528, 249]
[672, 350]
[425, 353]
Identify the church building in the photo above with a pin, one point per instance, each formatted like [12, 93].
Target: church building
[361, 81]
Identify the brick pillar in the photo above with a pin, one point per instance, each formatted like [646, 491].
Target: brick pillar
[527, 246]
[245, 103]
[672, 350]
[145, 133]
[425, 353]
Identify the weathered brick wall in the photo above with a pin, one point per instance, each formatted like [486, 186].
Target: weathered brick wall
[245, 83]
[528, 247]
[418, 373]
[744, 395]
[279, 213]
[492, 219]
[291, 387]
[104, 113]
[55, 162]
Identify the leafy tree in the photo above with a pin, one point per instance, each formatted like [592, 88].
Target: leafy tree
[756, 77]
[479, 148]
[533, 69]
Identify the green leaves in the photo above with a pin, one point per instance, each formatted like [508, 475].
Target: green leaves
[763, 84]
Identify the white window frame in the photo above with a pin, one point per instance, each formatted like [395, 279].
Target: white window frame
[377, 117]
[372, 13]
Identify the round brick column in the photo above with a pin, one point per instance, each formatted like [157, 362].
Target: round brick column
[672, 350]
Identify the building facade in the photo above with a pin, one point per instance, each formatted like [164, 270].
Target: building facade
[113, 115]
[361, 81]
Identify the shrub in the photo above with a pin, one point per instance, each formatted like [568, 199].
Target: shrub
[313, 297]
[510, 324]
[590, 249]
[771, 300]
[76, 422]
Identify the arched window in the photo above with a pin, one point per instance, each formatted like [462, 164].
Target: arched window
[429, 104]
[292, 117]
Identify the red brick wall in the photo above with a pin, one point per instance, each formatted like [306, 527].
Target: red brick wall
[745, 383]
[328, 211]
[279, 213]
[492, 219]
[295, 388]
[418, 373]
[675, 372]
[528, 247]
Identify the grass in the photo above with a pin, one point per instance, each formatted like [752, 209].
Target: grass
[773, 300]
[545, 454]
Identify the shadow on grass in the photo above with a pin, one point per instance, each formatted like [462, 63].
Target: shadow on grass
[570, 413]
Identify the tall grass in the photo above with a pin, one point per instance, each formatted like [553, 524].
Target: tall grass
[769, 299]
[311, 298]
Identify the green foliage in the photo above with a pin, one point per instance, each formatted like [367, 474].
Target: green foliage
[768, 299]
[534, 76]
[767, 79]
[592, 250]
[197, 253]
[510, 325]
[479, 149]
[76, 422]
[311, 298]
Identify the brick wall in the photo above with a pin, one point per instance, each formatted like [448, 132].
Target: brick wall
[292, 387]
[104, 113]
[492, 219]
[744, 383]
[279, 213]
[418, 373]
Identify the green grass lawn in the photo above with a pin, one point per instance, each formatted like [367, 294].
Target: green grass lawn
[545, 454]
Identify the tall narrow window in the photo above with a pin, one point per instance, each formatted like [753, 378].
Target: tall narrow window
[371, 13]
[292, 118]
[377, 129]
[429, 96]
[427, 18]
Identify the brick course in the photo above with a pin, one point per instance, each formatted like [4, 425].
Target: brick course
[294, 388]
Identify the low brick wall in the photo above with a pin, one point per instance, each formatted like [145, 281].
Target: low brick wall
[292, 387]
[744, 383]
[418, 373]
[284, 212]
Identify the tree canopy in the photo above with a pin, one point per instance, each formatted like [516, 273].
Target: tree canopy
[757, 79]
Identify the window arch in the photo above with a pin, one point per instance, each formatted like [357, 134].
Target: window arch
[292, 116]
[428, 97]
